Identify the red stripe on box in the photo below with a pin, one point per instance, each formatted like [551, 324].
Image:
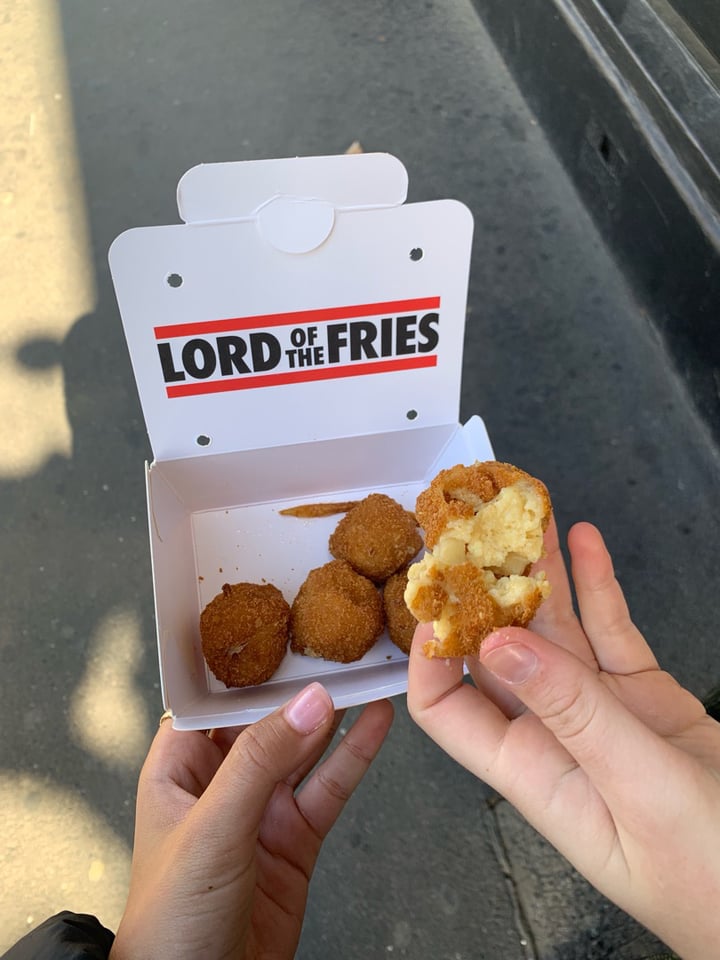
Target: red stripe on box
[301, 376]
[296, 318]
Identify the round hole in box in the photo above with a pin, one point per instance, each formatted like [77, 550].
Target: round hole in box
[411, 414]
[416, 253]
[174, 280]
[203, 440]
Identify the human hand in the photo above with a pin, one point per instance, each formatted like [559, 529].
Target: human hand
[225, 842]
[606, 755]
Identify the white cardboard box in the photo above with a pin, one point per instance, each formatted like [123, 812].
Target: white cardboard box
[298, 338]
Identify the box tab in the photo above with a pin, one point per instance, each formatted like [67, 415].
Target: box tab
[236, 191]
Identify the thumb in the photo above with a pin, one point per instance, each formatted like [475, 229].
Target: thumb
[580, 710]
[264, 755]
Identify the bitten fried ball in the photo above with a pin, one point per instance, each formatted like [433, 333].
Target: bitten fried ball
[376, 537]
[400, 622]
[244, 633]
[484, 527]
[337, 614]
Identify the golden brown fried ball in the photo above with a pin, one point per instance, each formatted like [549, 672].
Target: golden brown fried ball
[400, 622]
[244, 633]
[484, 527]
[337, 614]
[376, 537]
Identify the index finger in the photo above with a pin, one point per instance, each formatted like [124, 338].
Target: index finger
[618, 645]
[556, 617]
[322, 798]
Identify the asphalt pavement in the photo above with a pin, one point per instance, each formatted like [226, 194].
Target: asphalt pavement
[112, 103]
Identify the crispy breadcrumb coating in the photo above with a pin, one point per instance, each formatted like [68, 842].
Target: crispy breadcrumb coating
[244, 633]
[377, 537]
[400, 622]
[484, 527]
[337, 614]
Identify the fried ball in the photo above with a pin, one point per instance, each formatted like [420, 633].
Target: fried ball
[337, 614]
[376, 537]
[484, 527]
[244, 633]
[400, 622]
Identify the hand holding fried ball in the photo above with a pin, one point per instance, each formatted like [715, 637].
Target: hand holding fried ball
[484, 527]
[244, 633]
[604, 753]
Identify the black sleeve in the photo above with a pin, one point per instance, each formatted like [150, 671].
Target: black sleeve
[66, 936]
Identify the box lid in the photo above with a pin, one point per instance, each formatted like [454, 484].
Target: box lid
[300, 300]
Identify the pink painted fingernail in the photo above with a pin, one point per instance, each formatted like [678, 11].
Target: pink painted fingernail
[309, 709]
[512, 663]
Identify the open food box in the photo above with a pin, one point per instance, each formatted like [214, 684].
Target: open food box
[297, 339]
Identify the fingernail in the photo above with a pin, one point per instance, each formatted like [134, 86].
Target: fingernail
[309, 709]
[513, 663]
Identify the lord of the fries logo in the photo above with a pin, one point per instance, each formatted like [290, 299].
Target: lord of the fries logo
[213, 356]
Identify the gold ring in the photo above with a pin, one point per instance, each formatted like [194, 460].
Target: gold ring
[166, 716]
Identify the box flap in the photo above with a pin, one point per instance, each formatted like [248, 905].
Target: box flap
[302, 300]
